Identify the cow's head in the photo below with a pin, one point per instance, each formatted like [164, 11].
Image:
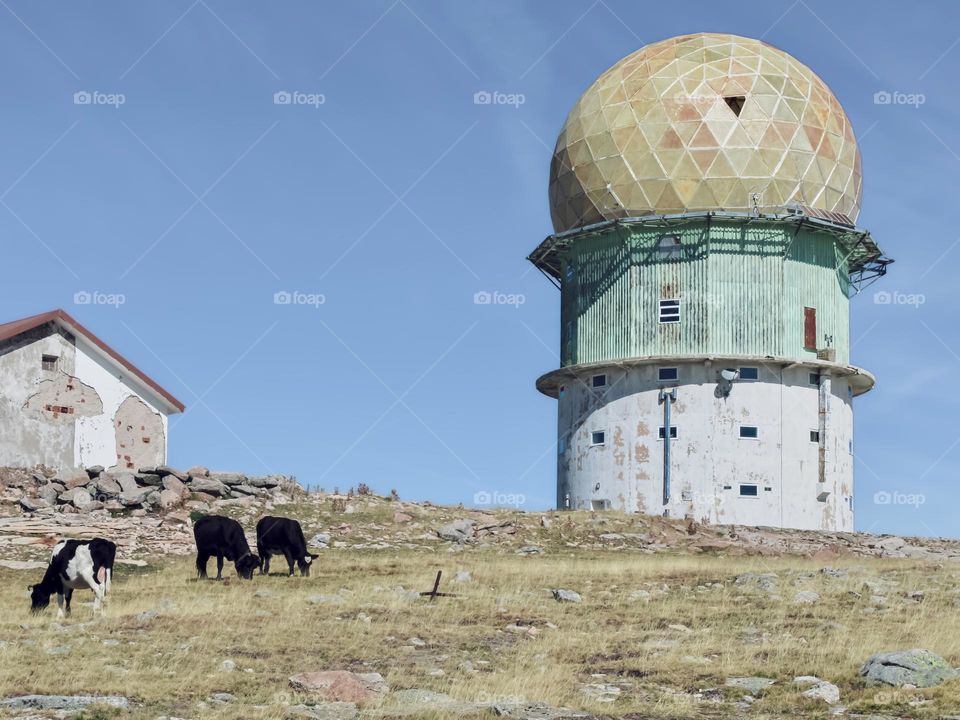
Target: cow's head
[304, 563]
[246, 565]
[39, 598]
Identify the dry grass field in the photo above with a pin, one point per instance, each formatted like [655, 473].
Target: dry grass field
[655, 636]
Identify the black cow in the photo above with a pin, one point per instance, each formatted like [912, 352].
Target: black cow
[75, 564]
[283, 536]
[223, 537]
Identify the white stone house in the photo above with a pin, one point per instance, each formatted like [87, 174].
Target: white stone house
[68, 400]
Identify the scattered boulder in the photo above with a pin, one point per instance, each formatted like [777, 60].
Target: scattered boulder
[198, 471]
[229, 478]
[150, 478]
[535, 711]
[50, 493]
[341, 685]
[826, 691]
[63, 702]
[757, 581]
[753, 685]
[33, 504]
[208, 485]
[107, 485]
[918, 667]
[170, 499]
[325, 711]
[166, 471]
[806, 597]
[564, 595]
[320, 540]
[457, 531]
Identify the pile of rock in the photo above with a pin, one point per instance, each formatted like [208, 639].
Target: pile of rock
[149, 489]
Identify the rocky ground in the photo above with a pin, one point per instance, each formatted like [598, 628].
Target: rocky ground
[551, 615]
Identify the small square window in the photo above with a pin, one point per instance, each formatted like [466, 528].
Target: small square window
[666, 374]
[749, 373]
[669, 311]
[748, 491]
[598, 437]
[599, 381]
[49, 362]
[751, 432]
[850, 446]
[814, 379]
[599, 505]
[815, 436]
[673, 432]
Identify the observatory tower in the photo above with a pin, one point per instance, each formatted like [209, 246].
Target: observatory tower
[704, 193]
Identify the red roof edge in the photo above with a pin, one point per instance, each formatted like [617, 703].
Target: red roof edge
[18, 327]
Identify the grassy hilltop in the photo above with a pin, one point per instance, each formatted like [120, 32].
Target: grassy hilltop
[668, 615]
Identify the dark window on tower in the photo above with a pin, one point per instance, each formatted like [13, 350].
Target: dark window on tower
[735, 103]
[666, 374]
[810, 328]
[749, 431]
[599, 381]
[49, 362]
[673, 432]
[749, 373]
[814, 379]
[598, 437]
[748, 491]
[815, 436]
[669, 247]
[670, 311]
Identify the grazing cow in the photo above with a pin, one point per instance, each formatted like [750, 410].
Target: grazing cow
[283, 536]
[75, 564]
[224, 538]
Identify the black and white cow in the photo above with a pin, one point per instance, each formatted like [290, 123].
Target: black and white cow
[283, 536]
[223, 537]
[75, 564]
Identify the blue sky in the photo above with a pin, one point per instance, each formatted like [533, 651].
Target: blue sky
[397, 198]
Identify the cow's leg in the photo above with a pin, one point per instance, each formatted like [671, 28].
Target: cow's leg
[219, 567]
[97, 590]
[202, 559]
[289, 556]
[265, 564]
[68, 596]
[60, 605]
[109, 578]
[262, 552]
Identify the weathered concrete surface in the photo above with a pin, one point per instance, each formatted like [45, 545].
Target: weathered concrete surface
[141, 438]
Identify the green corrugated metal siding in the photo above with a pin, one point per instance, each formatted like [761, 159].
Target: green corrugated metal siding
[742, 290]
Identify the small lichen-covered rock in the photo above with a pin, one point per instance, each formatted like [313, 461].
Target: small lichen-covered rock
[918, 667]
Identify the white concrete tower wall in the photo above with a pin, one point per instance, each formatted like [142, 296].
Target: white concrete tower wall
[611, 455]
